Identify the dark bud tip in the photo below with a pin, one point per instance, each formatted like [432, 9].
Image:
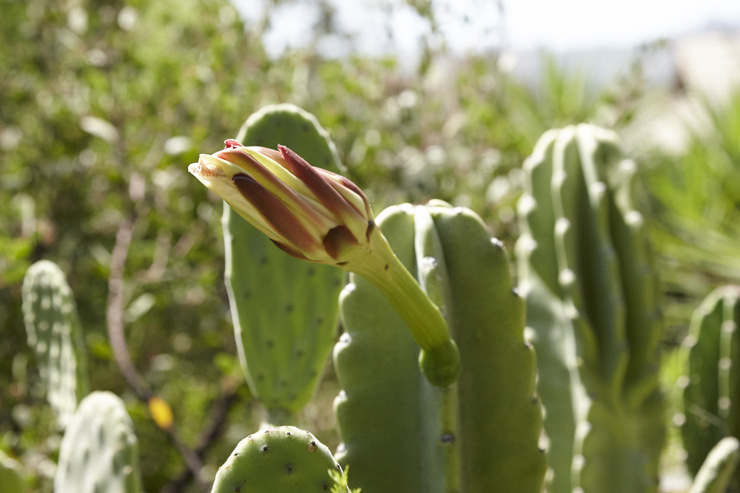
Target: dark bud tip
[230, 143]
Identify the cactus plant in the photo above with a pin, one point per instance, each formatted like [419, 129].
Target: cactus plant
[710, 396]
[316, 215]
[54, 332]
[281, 459]
[284, 310]
[716, 472]
[586, 274]
[399, 432]
[99, 451]
[10, 477]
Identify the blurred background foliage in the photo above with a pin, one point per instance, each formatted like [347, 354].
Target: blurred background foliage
[104, 103]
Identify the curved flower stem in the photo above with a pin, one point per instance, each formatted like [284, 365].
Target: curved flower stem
[439, 358]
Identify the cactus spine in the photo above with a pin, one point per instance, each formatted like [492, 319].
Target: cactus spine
[99, 451]
[54, 332]
[586, 273]
[399, 432]
[284, 310]
[711, 394]
[716, 472]
[282, 459]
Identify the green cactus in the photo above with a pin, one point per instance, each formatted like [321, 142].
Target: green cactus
[99, 451]
[716, 472]
[54, 332]
[399, 432]
[710, 396]
[10, 476]
[586, 274]
[284, 309]
[283, 459]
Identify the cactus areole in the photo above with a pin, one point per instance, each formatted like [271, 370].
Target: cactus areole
[317, 215]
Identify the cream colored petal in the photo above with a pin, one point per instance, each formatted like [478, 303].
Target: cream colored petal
[282, 173]
[216, 180]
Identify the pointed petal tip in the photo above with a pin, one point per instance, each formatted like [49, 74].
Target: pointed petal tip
[287, 153]
[207, 165]
[194, 169]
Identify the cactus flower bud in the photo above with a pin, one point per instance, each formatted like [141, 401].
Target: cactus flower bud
[317, 215]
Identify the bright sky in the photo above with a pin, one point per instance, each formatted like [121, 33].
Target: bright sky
[387, 25]
[569, 24]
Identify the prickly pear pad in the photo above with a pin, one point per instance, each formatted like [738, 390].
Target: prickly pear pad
[55, 334]
[99, 451]
[284, 459]
[284, 310]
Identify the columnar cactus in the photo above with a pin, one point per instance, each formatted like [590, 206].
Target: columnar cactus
[284, 310]
[586, 274]
[99, 451]
[716, 472]
[402, 434]
[282, 459]
[54, 332]
[711, 396]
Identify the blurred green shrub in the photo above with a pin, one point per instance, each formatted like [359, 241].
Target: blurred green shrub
[696, 196]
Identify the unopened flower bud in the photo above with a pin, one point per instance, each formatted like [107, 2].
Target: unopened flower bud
[317, 215]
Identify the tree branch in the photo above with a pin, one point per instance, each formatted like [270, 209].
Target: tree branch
[114, 318]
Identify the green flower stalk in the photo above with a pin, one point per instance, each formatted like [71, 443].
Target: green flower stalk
[317, 215]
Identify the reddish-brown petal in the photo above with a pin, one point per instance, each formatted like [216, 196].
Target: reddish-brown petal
[289, 250]
[337, 239]
[320, 186]
[272, 154]
[241, 158]
[351, 186]
[275, 213]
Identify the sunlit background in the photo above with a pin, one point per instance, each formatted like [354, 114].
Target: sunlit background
[104, 103]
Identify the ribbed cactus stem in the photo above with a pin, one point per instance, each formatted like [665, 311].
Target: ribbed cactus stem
[716, 472]
[449, 438]
[439, 358]
[402, 434]
[586, 271]
[712, 383]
